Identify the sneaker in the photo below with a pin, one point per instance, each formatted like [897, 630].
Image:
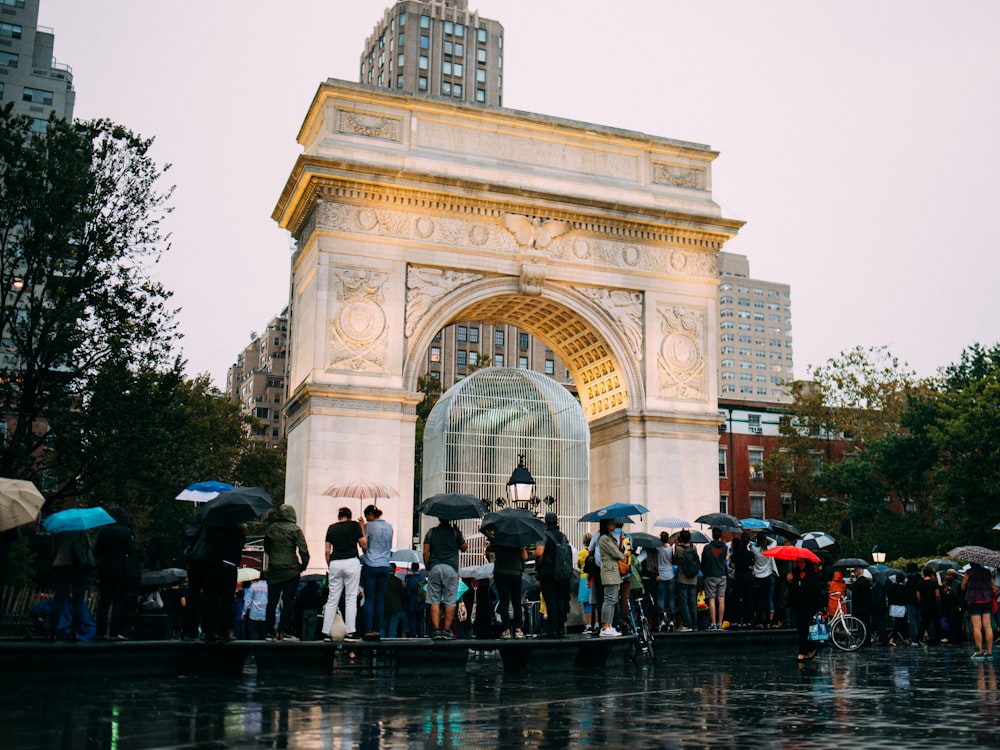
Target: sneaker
[438, 635]
[586, 629]
[289, 638]
[519, 634]
[505, 635]
[683, 629]
[447, 635]
[978, 655]
[609, 633]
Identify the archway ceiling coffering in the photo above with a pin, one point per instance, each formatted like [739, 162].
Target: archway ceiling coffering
[586, 354]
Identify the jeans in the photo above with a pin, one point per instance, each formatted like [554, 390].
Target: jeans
[666, 599]
[689, 604]
[373, 581]
[610, 600]
[285, 592]
[393, 623]
[68, 582]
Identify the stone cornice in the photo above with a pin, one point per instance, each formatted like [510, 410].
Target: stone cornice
[311, 180]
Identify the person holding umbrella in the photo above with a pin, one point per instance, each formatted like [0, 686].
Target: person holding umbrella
[806, 597]
[555, 589]
[508, 567]
[375, 570]
[71, 567]
[611, 578]
[223, 553]
[441, 547]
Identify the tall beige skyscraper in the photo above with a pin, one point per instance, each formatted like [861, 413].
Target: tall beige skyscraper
[29, 74]
[436, 48]
[755, 334]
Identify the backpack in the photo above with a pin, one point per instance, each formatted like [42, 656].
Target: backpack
[690, 564]
[590, 566]
[562, 569]
[195, 536]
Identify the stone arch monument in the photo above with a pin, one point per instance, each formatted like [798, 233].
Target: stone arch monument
[411, 213]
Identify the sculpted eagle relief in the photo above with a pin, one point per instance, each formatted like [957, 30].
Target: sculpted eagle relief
[533, 232]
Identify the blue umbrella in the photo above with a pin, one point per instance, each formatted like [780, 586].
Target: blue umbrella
[615, 510]
[202, 492]
[755, 524]
[77, 519]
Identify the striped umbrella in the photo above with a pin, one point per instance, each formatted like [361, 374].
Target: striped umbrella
[816, 540]
[362, 490]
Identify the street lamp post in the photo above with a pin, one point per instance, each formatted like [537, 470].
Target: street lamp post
[878, 554]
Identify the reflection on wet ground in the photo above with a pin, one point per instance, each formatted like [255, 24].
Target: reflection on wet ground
[908, 698]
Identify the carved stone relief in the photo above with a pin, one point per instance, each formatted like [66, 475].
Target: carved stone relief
[368, 125]
[358, 328]
[681, 355]
[425, 286]
[549, 240]
[674, 174]
[626, 309]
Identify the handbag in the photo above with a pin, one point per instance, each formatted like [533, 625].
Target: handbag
[463, 612]
[819, 631]
[84, 553]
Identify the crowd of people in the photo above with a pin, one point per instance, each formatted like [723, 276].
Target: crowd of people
[727, 585]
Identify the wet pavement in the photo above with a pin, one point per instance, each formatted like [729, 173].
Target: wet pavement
[757, 697]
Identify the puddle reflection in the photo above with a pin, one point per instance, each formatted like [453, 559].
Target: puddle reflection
[749, 700]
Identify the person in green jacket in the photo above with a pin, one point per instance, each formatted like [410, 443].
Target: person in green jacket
[287, 557]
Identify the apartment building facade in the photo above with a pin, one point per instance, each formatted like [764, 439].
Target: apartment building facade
[755, 334]
[436, 48]
[256, 381]
[30, 76]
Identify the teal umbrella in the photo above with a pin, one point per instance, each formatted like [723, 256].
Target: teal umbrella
[77, 519]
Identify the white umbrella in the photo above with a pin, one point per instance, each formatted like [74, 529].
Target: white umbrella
[247, 574]
[672, 522]
[20, 503]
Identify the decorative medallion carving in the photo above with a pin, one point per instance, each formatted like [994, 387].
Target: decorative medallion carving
[678, 176]
[626, 309]
[681, 356]
[425, 286]
[370, 126]
[359, 328]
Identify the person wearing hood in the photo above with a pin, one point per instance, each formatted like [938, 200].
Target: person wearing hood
[287, 557]
[113, 548]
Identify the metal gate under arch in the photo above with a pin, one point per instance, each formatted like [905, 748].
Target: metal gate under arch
[479, 428]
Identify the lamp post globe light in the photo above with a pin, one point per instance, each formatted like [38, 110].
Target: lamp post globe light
[521, 485]
[878, 554]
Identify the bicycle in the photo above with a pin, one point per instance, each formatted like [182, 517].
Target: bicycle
[643, 644]
[847, 632]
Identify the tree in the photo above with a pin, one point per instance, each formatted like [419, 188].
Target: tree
[962, 423]
[80, 223]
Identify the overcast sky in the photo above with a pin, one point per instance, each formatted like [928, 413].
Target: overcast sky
[860, 141]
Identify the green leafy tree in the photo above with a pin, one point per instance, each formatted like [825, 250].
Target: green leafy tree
[962, 423]
[80, 224]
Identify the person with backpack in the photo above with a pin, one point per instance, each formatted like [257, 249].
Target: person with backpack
[554, 568]
[688, 568]
[714, 568]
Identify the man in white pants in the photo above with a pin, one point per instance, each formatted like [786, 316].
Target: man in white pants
[342, 542]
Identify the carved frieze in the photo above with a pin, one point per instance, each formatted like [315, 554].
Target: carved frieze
[368, 125]
[358, 326]
[425, 286]
[626, 309]
[515, 234]
[532, 279]
[681, 354]
[680, 176]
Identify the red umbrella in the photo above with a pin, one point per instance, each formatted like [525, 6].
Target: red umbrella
[791, 552]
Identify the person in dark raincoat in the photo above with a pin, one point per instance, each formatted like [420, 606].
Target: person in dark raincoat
[287, 557]
[113, 547]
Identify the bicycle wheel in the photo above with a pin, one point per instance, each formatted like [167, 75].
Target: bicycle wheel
[646, 640]
[848, 633]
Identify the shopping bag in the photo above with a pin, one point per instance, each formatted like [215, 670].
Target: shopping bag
[819, 631]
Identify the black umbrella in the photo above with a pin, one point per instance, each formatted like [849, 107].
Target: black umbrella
[697, 537]
[644, 540]
[513, 527]
[721, 521]
[236, 507]
[851, 562]
[453, 506]
[939, 563]
[165, 577]
[784, 529]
